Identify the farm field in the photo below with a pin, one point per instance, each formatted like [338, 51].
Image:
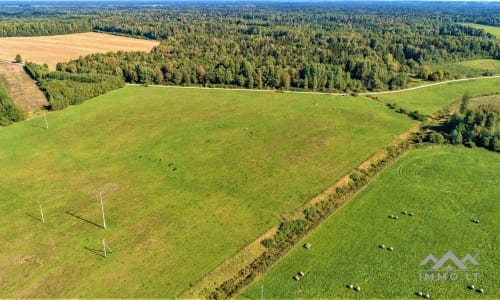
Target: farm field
[490, 29]
[188, 178]
[429, 100]
[445, 188]
[59, 48]
[471, 68]
[21, 87]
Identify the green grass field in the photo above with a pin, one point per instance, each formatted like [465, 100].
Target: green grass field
[445, 188]
[188, 176]
[493, 100]
[490, 29]
[470, 68]
[429, 100]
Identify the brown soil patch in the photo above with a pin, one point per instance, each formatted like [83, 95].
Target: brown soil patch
[21, 88]
[60, 48]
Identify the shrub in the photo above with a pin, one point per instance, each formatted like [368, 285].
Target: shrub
[436, 138]
[9, 110]
[310, 213]
[268, 243]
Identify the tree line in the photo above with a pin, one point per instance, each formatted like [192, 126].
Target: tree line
[348, 47]
[63, 89]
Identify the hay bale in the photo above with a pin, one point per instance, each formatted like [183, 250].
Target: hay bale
[396, 217]
[410, 214]
[307, 245]
[350, 286]
[301, 274]
[296, 277]
[391, 217]
[404, 212]
[471, 287]
[427, 296]
[390, 248]
[419, 294]
[382, 246]
[480, 291]
[357, 289]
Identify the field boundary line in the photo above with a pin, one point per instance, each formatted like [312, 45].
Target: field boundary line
[226, 270]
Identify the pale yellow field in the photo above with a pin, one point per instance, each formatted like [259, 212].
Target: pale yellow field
[58, 48]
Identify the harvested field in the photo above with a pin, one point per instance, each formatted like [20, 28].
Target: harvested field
[53, 49]
[21, 87]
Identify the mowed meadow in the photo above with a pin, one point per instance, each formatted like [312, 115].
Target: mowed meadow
[445, 188]
[429, 100]
[188, 177]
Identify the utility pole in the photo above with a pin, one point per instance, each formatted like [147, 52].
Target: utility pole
[102, 210]
[106, 248]
[41, 213]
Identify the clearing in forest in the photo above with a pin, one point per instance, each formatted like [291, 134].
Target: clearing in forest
[490, 29]
[470, 68]
[189, 177]
[59, 48]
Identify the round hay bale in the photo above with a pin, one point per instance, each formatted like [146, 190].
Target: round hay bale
[471, 287]
[404, 212]
[357, 289]
[427, 296]
[410, 214]
[480, 291]
[419, 294]
[307, 245]
[301, 273]
[382, 246]
[390, 248]
[296, 278]
[396, 217]
[350, 286]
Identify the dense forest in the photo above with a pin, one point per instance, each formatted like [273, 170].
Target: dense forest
[344, 46]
